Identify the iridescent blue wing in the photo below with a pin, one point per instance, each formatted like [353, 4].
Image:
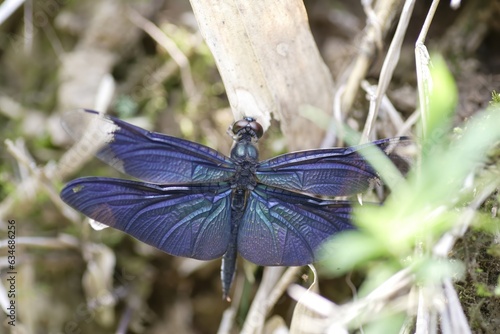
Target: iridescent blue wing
[148, 156]
[281, 228]
[329, 172]
[191, 221]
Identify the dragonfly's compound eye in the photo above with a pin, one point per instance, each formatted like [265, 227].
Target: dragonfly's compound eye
[257, 128]
[237, 126]
[248, 124]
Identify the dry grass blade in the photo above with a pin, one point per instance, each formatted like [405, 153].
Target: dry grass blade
[453, 319]
[288, 277]
[254, 322]
[422, 60]
[390, 62]
[376, 28]
[8, 7]
[390, 296]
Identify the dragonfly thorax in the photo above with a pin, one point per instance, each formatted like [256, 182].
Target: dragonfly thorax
[245, 156]
[245, 151]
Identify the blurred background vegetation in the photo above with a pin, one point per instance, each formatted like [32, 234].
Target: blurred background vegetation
[59, 55]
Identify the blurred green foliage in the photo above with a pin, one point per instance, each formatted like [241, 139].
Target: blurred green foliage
[403, 231]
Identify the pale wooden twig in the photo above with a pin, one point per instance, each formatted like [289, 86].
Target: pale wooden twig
[385, 105]
[258, 310]
[288, 277]
[410, 121]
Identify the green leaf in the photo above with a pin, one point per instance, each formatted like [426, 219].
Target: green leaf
[348, 250]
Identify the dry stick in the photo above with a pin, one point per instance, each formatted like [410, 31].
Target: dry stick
[423, 322]
[384, 13]
[386, 105]
[312, 300]
[227, 321]
[371, 17]
[391, 295]
[379, 299]
[7, 8]
[258, 310]
[390, 62]
[454, 313]
[452, 316]
[317, 304]
[334, 131]
[302, 314]
[447, 241]
[286, 279]
[425, 317]
[410, 121]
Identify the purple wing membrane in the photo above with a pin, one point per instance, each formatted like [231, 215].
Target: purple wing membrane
[191, 221]
[148, 156]
[329, 172]
[281, 228]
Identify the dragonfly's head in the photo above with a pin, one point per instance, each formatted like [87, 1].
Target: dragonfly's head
[246, 132]
[247, 127]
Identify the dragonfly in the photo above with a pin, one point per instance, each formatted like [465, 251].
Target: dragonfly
[192, 201]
